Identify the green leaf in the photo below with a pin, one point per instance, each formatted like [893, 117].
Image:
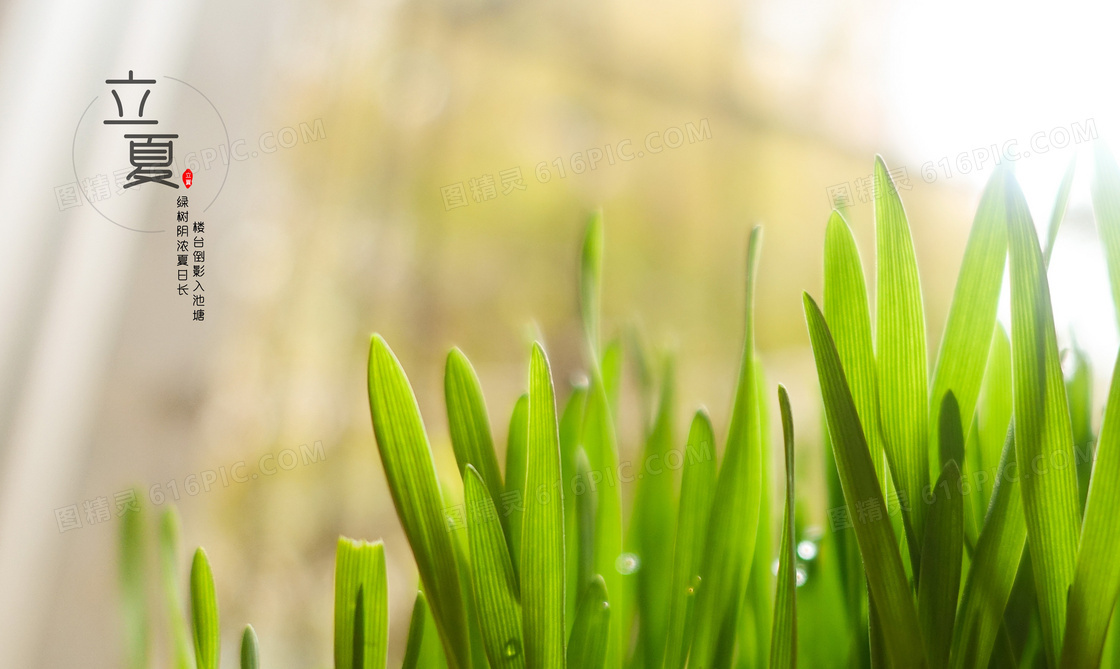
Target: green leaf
[995, 407]
[250, 649]
[169, 569]
[1097, 578]
[587, 647]
[783, 644]
[758, 606]
[591, 280]
[612, 372]
[423, 649]
[542, 553]
[901, 356]
[1043, 434]
[493, 578]
[133, 575]
[469, 424]
[941, 554]
[733, 524]
[972, 316]
[1105, 191]
[697, 487]
[204, 613]
[586, 506]
[410, 471]
[652, 526]
[361, 605]
[1061, 202]
[515, 474]
[571, 423]
[886, 578]
[1079, 390]
[602, 455]
[994, 565]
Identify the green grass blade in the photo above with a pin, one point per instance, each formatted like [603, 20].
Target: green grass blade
[585, 512]
[410, 471]
[941, 554]
[733, 524]
[972, 316]
[204, 613]
[169, 570]
[469, 424]
[652, 525]
[612, 372]
[878, 546]
[514, 496]
[1061, 202]
[994, 413]
[1105, 191]
[1079, 390]
[494, 581]
[1043, 434]
[758, 605]
[591, 280]
[697, 487]
[901, 355]
[587, 647]
[1097, 578]
[783, 644]
[133, 578]
[991, 575]
[602, 455]
[846, 307]
[542, 532]
[571, 422]
[250, 649]
[423, 649]
[361, 605]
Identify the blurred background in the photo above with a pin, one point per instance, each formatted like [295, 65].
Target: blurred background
[424, 170]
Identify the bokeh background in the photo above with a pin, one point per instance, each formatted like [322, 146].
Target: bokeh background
[106, 383]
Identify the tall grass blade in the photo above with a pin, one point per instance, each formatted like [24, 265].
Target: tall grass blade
[250, 649]
[181, 657]
[994, 565]
[133, 575]
[697, 487]
[941, 554]
[1105, 191]
[886, 577]
[783, 644]
[901, 355]
[204, 613]
[1079, 390]
[494, 581]
[410, 471]
[1043, 434]
[423, 649]
[571, 423]
[1097, 578]
[361, 605]
[1061, 202]
[972, 316]
[587, 647]
[585, 497]
[515, 476]
[733, 524]
[469, 424]
[542, 532]
[653, 525]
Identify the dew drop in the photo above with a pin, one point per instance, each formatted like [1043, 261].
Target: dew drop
[775, 565]
[512, 649]
[802, 575]
[806, 550]
[627, 563]
[694, 585]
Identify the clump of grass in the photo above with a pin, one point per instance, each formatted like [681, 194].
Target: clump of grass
[965, 490]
